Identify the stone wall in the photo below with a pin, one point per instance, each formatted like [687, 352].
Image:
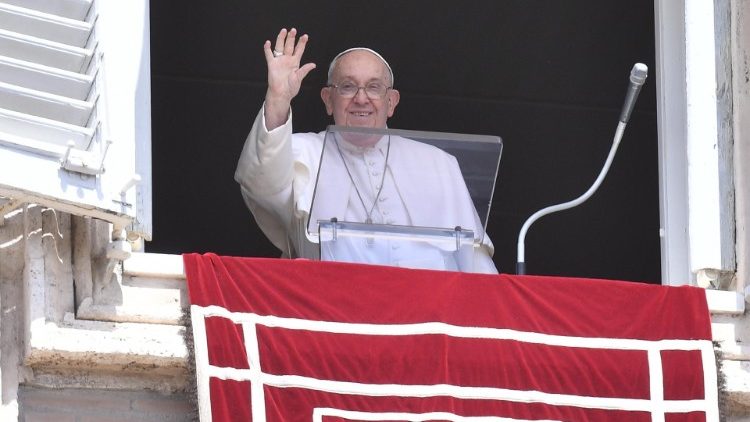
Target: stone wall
[99, 405]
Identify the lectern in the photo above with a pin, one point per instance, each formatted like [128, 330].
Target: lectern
[404, 198]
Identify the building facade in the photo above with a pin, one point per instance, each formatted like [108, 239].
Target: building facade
[92, 329]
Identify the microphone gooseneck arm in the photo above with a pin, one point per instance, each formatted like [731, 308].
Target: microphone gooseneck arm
[637, 78]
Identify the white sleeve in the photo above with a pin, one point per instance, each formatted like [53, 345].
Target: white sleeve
[266, 162]
[265, 173]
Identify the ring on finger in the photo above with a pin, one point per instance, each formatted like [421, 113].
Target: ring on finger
[277, 53]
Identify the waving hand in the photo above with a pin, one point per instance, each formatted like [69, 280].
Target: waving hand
[284, 75]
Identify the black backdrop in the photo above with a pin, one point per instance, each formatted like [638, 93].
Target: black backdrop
[548, 76]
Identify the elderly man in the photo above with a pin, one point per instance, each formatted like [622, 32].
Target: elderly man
[277, 169]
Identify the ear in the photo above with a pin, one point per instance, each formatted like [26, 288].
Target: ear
[393, 98]
[325, 95]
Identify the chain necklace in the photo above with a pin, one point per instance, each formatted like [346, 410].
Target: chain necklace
[368, 220]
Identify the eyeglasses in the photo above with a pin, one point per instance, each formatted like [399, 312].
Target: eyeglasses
[373, 90]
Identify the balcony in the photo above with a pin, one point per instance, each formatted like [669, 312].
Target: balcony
[85, 321]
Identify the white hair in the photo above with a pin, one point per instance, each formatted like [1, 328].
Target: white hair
[338, 56]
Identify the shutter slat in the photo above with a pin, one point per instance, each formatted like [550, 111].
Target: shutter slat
[72, 9]
[48, 53]
[45, 78]
[43, 25]
[26, 126]
[42, 104]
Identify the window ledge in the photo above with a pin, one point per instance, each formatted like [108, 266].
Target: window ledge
[721, 302]
[79, 353]
[142, 264]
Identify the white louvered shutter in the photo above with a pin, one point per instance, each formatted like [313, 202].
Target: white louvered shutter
[75, 110]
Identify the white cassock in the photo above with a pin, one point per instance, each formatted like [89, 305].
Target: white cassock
[420, 185]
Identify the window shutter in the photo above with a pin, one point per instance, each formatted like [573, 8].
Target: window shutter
[75, 128]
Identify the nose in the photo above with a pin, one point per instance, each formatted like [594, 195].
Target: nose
[361, 96]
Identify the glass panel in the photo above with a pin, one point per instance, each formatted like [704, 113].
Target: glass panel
[406, 178]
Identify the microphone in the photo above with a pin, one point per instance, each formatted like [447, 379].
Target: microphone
[637, 78]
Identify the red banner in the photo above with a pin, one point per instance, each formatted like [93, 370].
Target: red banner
[283, 340]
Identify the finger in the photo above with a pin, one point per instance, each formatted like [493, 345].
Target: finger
[267, 51]
[300, 48]
[304, 70]
[279, 46]
[290, 39]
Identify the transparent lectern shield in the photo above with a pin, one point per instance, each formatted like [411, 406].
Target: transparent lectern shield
[400, 246]
[405, 178]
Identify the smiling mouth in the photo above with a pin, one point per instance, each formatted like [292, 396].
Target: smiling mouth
[361, 113]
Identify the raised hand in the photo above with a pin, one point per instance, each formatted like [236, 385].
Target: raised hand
[284, 75]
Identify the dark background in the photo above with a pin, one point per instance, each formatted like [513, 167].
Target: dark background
[548, 76]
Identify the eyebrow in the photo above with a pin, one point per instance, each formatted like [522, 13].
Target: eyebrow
[348, 79]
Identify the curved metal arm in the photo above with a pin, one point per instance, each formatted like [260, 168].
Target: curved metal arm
[520, 262]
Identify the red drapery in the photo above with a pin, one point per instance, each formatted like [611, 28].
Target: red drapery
[296, 340]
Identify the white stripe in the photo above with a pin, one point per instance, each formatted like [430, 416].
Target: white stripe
[202, 367]
[319, 412]
[476, 393]
[710, 382]
[456, 331]
[459, 392]
[257, 397]
[656, 381]
[234, 374]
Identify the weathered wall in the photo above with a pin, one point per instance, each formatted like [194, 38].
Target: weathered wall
[98, 405]
[11, 274]
[125, 362]
[741, 120]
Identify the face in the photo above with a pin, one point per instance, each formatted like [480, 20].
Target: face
[360, 68]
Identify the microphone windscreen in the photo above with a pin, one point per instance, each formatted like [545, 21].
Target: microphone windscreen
[639, 73]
